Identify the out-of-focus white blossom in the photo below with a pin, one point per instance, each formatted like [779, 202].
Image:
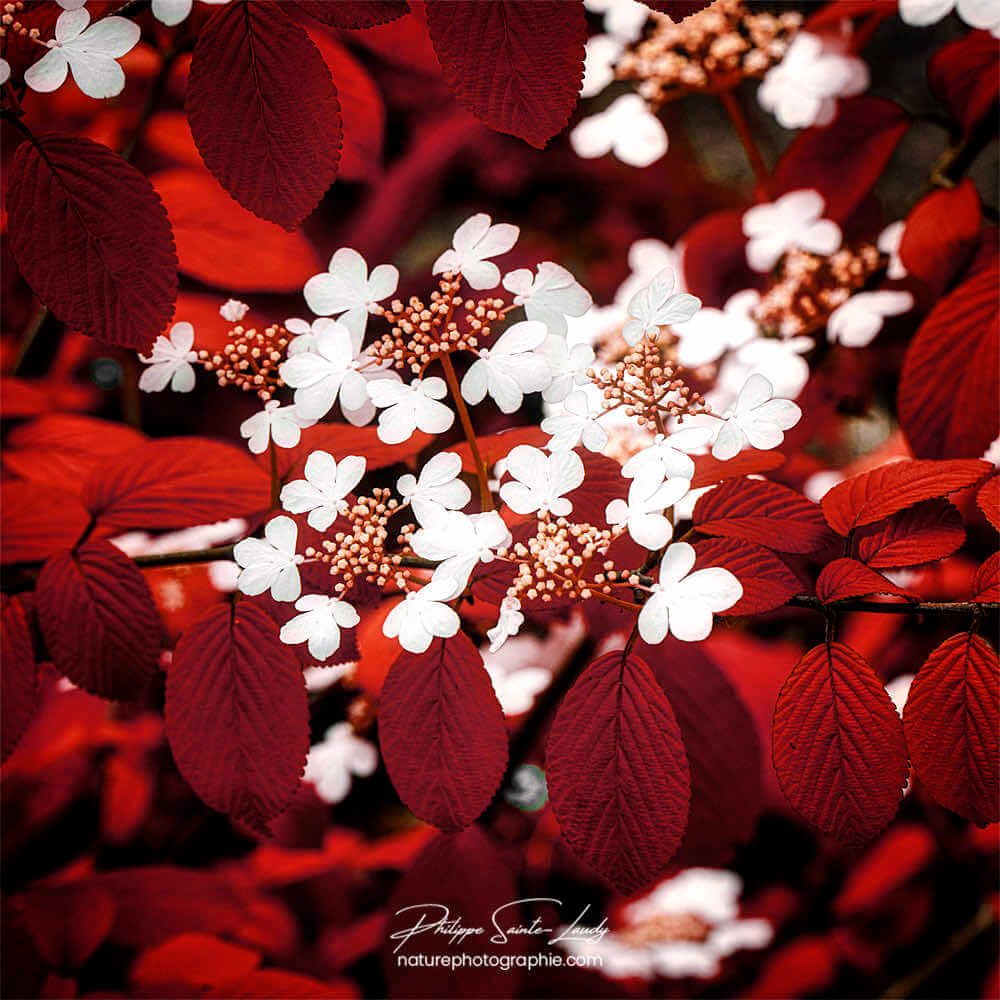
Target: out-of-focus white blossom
[280, 424]
[626, 128]
[516, 688]
[324, 491]
[407, 408]
[437, 489]
[820, 483]
[649, 494]
[170, 362]
[576, 424]
[171, 12]
[888, 243]
[4, 71]
[541, 481]
[319, 624]
[794, 220]
[757, 419]
[857, 322]
[779, 361]
[510, 368]
[508, 624]
[347, 291]
[459, 542]
[624, 19]
[599, 60]
[476, 240]
[424, 615]
[975, 13]
[548, 296]
[656, 305]
[711, 332]
[332, 763]
[232, 310]
[670, 455]
[271, 563]
[646, 259]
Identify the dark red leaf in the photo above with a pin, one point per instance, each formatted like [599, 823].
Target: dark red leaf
[18, 675]
[242, 94]
[99, 621]
[767, 582]
[948, 402]
[92, 239]
[442, 733]
[766, 513]
[354, 13]
[886, 489]
[838, 745]
[266, 984]
[844, 159]
[988, 500]
[602, 481]
[517, 65]
[831, 15]
[37, 521]
[964, 75]
[236, 713]
[708, 470]
[986, 586]
[493, 447]
[68, 922]
[924, 533]
[952, 722]
[844, 578]
[677, 10]
[618, 775]
[176, 483]
[194, 960]
[941, 233]
[715, 259]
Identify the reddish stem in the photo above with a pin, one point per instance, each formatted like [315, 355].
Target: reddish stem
[737, 117]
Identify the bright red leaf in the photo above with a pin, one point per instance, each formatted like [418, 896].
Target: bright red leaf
[952, 722]
[964, 75]
[194, 961]
[517, 65]
[236, 713]
[99, 621]
[838, 745]
[924, 533]
[37, 521]
[618, 776]
[271, 137]
[18, 675]
[988, 500]
[804, 966]
[708, 470]
[845, 578]
[767, 582]
[986, 586]
[442, 733]
[354, 13]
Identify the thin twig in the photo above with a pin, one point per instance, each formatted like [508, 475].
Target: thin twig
[485, 497]
[743, 130]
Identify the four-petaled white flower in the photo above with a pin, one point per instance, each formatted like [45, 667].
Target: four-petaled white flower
[568, 364]
[682, 602]
[508, 624]
[270, 563]
[423, 615]
[232, 310]
[331, 764]
[280, 424]
[656, 305]
[458, 542]
[322, 493]
[670, 454]
[406, 408]
[90, 52]
[319, 624]
[510, 368]
[888, 243]
[474, 241]
[599, 60]
[171, 12]
[548, 296]
[437, 489]
[757, 418]
[170, 362]
[794, 220]
[712, 332]
[347, 291]
[541, 481]
[575, 425]
[975, 13]
[648, 496]
[802, 89]
[857, 322]
[626, 128]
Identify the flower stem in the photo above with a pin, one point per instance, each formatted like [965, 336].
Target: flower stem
[485, 497]
[742, 127]
[275, 478]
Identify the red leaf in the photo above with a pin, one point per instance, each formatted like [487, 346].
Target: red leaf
[886, 489]
[68, 922]
[948, 405]
[99, 621]
[715, 259]
[493, 447]
[601, 482]
[126, 795]
[194, 960]
[236, 713]
[804, 966]
[517, 65]
[176, 483]
[618, 775]
[838, 745]
[988, 501]
[929, 531]
[708, 470]
[222, 244]
[965, 76]
[442, 733]
[844, 578]
[266, 984]
[755, 510]
[986, 586]
[38, 521]
[92, 239]
[241, 91]
[940, 235]
[767, 582]
[18, 675]
[354, 13]
[952, 723]
[844, 159]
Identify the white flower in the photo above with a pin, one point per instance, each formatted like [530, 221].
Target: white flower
[575, 425]
[347, 290]
[4, 71]
[508, 624]
[568, 366]
[975, 13]
[646, 259]
[669, 455]
[599, 60]
[802, 89]
[423, 616]
[658, 305]
[627, 128]
[322, 493]
[474, 241]
[757, 418]
[331, 763]
[510, 368]
[270, 563]
[888, 243]
[232, 310]
[624, 19]
[794, 220]
[437, 489]
[857, 322]
[550, 296]
[319, 624]
[682, 602]
[458, 542]
[541, 481]
[406, 408]
[170, 362]
[71, 4]
[712, 332]
[280, 424]
[779, 361]
[648, 496]
[516, 689]
[90, 52]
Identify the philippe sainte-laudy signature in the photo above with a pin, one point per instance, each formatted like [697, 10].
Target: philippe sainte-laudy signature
[505, 924]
